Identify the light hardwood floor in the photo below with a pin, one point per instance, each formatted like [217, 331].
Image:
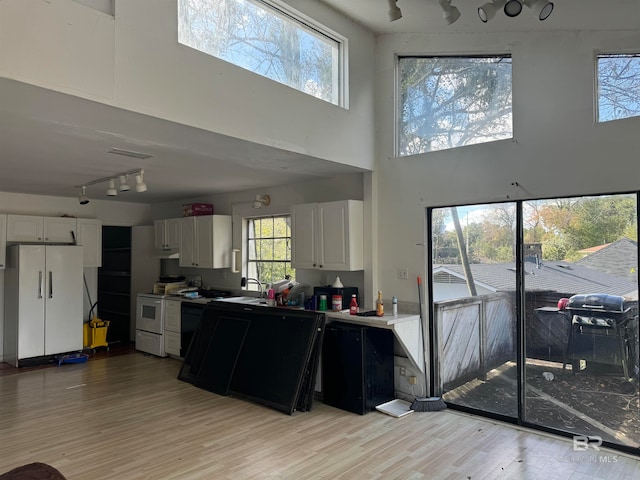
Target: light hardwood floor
[128, 417]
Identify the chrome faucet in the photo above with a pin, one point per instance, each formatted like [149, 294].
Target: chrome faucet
[246, 280]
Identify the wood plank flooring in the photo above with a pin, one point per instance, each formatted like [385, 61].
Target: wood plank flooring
[128, 417]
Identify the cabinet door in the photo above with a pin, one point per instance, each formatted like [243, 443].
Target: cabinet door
[90, 237]
[303, 236]
[204, 241]
[24, 228]
[59, 229]
[159, 229]
[340, 235]
[3, 240]
[187, 242]
[172, 233]
[172, 316]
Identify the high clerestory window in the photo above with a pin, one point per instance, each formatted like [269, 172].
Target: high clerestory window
[270, 39]
[449, 102]
[618, 86]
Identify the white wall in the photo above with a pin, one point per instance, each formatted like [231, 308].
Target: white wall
[557, 149]
[133, 61]
[111, 213]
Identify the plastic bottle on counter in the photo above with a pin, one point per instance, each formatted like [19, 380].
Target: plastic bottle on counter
[353, 306]
[379, 305]
[336, 303]
[394, 306]
[322, 305]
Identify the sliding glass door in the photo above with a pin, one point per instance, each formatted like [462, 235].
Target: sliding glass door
[474, 305]
[535, 313]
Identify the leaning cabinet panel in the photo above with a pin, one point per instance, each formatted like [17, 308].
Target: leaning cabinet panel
[328, 236]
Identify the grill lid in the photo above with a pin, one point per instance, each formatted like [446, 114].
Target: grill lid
[598, 302]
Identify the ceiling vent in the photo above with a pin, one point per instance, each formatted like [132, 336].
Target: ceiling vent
[128, 153]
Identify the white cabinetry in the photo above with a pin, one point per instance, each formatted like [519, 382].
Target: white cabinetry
[172, 325]
[90, 237]
[205, 241]
[168, 233]
[3, 240]
[328, 235]
[29, 228]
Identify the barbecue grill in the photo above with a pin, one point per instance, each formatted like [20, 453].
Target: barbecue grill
[603, 331]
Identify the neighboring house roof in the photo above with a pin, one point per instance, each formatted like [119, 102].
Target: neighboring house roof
[619, 258]
[554, 276]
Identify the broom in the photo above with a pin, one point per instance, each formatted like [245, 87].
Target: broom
[426, 404]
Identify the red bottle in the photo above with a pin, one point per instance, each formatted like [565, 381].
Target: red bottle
[353, 306]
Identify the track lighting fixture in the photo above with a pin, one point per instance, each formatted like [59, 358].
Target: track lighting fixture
[540, 8]
[394, 11]
[83, 199]
[487, 11]
[111, 189]
[124, 186]
[512, 8]
[449, 12]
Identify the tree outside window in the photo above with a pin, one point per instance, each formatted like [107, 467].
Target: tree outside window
[269, 248]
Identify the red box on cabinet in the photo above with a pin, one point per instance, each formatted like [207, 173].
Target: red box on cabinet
[195, 209]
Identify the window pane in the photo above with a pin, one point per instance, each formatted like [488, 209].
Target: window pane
[259, 37]
[269, 249]
[618, 87]
[448, 102]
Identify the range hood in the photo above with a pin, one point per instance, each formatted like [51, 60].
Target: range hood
[159, 253]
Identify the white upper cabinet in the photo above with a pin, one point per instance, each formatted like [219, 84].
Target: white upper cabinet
[3, 239]
[167, 233]
[29, 228]
[90, 237]
[205, 241]
[328, 235]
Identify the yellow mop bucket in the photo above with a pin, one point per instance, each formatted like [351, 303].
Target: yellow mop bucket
[95, 333]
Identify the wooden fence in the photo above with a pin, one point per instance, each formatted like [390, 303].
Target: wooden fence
[476, 335]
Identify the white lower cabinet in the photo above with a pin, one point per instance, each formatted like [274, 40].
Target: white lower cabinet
[172, 326]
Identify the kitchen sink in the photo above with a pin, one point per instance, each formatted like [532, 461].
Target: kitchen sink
[247, 300]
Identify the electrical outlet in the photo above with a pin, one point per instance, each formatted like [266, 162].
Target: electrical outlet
[412, 380]
[403, 372]
[403, 273]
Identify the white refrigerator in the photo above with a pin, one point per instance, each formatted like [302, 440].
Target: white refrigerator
[43, 301]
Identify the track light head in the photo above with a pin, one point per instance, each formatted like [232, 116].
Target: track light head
[124, 186]
[540, 8]
[111, 191]
[140, 185]
[449, 12]
[83, 199]
[513, 8]
[394, 12]
[487, 11]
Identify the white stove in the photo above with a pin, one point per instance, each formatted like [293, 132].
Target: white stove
[150, 309]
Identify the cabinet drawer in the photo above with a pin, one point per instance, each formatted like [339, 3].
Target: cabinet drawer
[150, 343]
[172, 343]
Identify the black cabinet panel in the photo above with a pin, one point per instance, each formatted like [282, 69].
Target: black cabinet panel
[268, 355]
[357, 367]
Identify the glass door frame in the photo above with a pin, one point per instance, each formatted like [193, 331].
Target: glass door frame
[435, 383]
